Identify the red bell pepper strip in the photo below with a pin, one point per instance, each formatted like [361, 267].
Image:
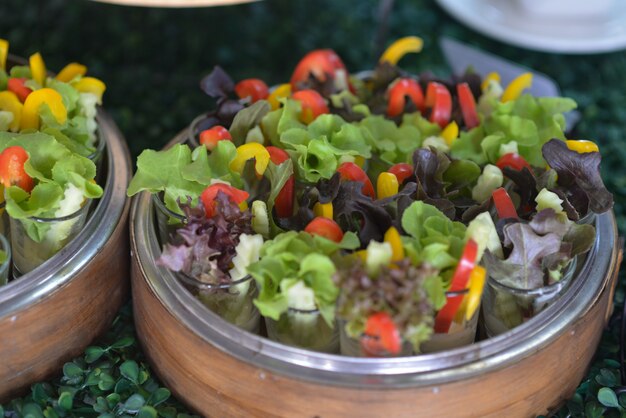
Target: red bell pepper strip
[504, 204]
[253, 88]
[210, 193]
[514, 161]
[460, 279]
[12, 171]
[16, 85]
[402, 171]
[439, 101]
[284, 200]
[210, 137]
[381, 335]
[352, 172]
[322, 64]
[313, 105]
[399, 92]
[468, 105]
[326, 228]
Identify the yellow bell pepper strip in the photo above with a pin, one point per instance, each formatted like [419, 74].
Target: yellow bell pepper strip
[30, 112]
[517, 86]
[10, 103]
[248, 151]
[91, 85]
[362, 254]
[471, 301]
[387, 185]
[493, 76]
[359, 160]
[400, 48]
[392, 236]
[38, 69]
[4, 52]
[450, 132]
[71, 71]
[282, 91]
[582, 146]
[324, 210]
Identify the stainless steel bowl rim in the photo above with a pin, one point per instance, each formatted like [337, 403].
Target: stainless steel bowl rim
[389, 373]
[59, 270]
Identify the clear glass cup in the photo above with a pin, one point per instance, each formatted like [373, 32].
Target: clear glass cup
[304, 329]
[55, 234]
[459, 335]
[167, 221]
[506, 307]
[231, 301]
[358, 347]
[5, 260]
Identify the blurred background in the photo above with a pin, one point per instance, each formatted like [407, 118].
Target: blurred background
[152, 59]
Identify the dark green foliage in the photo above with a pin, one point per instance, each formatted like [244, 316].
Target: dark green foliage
[152, 61]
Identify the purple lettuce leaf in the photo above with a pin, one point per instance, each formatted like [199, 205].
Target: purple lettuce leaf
[578, 176]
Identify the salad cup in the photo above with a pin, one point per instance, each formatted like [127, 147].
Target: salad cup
[304, 329]
[29, 254]
[231, 301]
[506, 307]
[201, 122]
[460, 334]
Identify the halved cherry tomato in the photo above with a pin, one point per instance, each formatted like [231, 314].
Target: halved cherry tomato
[402, 171]
[16, 85]
[326, 228]
[322, 64]
[399, 92]
[313, 105]
[12, 172]
[504, 204]
[253, 88]
[439, 101]
[460, 279]
[351, 171]
[284, 199]
[210, 193]
[512, 160]
[468, 105]
[210, 137]
[384, 335]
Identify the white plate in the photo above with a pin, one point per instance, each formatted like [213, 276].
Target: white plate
[506, 21]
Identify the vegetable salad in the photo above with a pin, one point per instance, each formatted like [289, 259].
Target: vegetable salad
[381, 205]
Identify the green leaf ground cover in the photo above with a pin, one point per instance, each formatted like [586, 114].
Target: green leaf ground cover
[152, 61]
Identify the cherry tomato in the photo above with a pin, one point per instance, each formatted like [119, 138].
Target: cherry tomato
[468, 105]
[513, 160]
[322, 64]
[210, 137]
[383, 333]
[402, 171]
[460, 279]
[210, 193]
[504, 204]
[326, 228]
[12, 171]
[313, 105]
[284, 199]
[253, 88]
[16, 85]
[399, 92]
[352, 172]
[439, 101]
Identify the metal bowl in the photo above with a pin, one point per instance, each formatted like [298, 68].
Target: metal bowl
[49, 315]
[218, 369]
